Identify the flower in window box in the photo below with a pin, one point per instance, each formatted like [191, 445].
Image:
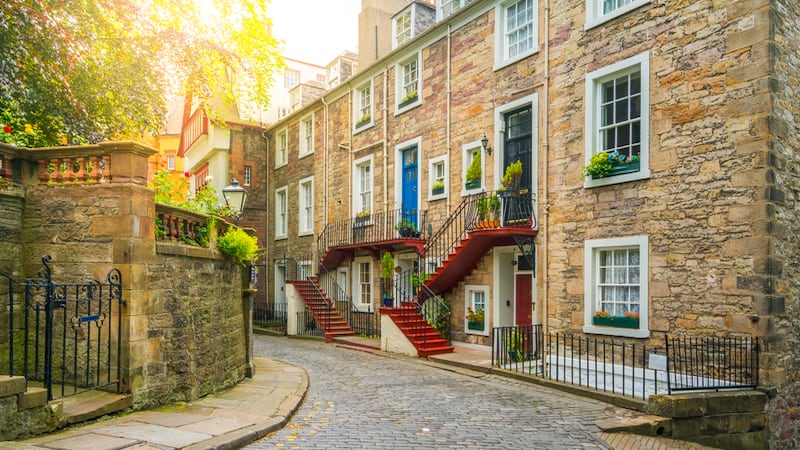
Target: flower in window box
[437, 187]
[602, 314]
[476, 316]
[604, 164]
[631, 315]
[363, 120]
[363, 214]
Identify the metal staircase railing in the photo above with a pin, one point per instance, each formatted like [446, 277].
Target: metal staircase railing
[415, 300]
[361, 322]
[297, 270]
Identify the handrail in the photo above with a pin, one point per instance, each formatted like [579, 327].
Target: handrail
[359, 321]
[375, 227]
[299, 274]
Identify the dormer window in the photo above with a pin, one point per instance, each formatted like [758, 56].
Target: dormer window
[402, 30]
[448, 7]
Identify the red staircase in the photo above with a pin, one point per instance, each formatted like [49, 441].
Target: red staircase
[325, 314]
[422, 336]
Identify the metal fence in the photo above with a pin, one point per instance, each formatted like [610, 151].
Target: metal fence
[270, 316]
[628, 369]
[64, 335]
[307, 326]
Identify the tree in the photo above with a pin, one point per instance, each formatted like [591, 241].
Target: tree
[89, 70]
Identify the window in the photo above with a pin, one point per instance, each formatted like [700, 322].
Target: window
[281, 219]
[476, 298]
[363, 107]
[615, 286]
[248, 175]
[447, 7]
[291, 78]
[517, 31]
[306, 201]
[306, 135]
[472, 168]
[362, 183]
[438, 178]
[362, 297]
[402, 28]
[201, 178]
[408, 86]
[321, 78]
[617, 116]
[281, 148]
[599, 11]
[170, 162]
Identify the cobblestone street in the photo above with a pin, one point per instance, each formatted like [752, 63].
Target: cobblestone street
[363, 400]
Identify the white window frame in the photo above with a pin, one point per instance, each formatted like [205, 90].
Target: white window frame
[592, 249]
[358, 203]
[595, 15]
[359, 109]
[408, 32]
[401, 85]
[467, 150]
[439, 161]
[282, 213]
[469, 291]
[305, 206]
[171, 162]
[359, 301]
[452, 7]
[247, 175]
[306, 135]
[501, 58]
[592, 100]
[282, 147]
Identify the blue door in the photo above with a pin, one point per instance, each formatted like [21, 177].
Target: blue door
[409, 196]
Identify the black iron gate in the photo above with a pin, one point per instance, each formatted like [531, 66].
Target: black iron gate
[65, 337]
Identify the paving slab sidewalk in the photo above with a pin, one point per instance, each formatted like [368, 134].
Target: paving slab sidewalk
[230, 419]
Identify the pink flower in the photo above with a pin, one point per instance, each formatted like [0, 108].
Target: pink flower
[7, 129]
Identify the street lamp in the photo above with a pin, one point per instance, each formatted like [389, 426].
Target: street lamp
[235, 197]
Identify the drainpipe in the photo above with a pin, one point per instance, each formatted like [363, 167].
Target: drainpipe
[386, 139]
[325, 162]
[449, 118]
[543, 228]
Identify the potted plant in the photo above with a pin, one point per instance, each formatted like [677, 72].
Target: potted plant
[387, 273]
[409, 98]
[437, 187]
[628, 320]
[418, 278]
[512, 175]
[362, 218]
[363, 120]
[407, 228]
[606, 164]
[515, 344]
[475, 319]
[481, 211]
[493, 206]
[473, 175]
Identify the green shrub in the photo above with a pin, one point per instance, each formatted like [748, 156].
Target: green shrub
[238, 244]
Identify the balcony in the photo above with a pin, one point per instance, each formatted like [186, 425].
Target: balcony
[193, 130]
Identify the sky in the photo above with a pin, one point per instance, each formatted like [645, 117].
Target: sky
[315, 31]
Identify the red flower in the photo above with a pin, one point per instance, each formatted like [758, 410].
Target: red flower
[187, 174]
[7, 129]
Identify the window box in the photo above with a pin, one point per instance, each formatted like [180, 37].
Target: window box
[616, 321]
[438, 190]
[407, 101]
[362, 221]
[472, 184]
[620, 168]
[478, 326]
[364, 121]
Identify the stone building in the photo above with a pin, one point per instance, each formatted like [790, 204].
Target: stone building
[686, 223]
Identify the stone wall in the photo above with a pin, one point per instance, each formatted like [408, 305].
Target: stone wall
[703, 207]
[785, 193]
[183, 319]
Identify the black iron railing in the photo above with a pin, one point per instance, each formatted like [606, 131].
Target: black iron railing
[628, 369]
[701, 363]
[307, 325]
[302, 269]
[416, 301]
[66, 336]
[373, 227]
[271, 316]
[364, 322]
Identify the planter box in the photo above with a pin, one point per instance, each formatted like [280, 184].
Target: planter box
[362, 123]
[437, 191]
[407, 102]
[361, 221]
[619, 169]
[616, 321]
[472, 184]
[475, 326]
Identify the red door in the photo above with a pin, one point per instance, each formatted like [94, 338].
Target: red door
[524, 297]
